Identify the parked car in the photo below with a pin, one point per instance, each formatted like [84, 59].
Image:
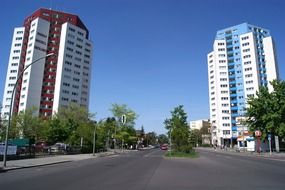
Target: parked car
[58, 148]
[41, 146]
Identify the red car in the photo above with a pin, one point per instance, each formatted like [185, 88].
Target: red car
[164, 147]
[41, 146]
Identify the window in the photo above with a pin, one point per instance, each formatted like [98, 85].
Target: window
[15, 57]
[67, 69]
[69, 49]
[65, 91]
[224, 98]
[248, 69]
[223, 79]
[77, 66]
[250, 88]
[246, 56]
[71, 36]
[42, 35]
[19, 32]
[12, 78]
[79, 39]
[64, 99]
[224, 85]
[226, 132]
[14, 64]
[78, 59]
[245, 44]
[79, 46]
[76, 72]
[75, 86]
[19, 38]
[71, 29]
[76, 79]
[68, 63]
[69, 56]
[78, 52]
[66, 84]
[248, 75]
[70, 42]
[249, 82]
[246, 50]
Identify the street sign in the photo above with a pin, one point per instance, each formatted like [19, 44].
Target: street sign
[123, 119]
[257, 133]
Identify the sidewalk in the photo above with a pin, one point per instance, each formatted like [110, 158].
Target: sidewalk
[49, 160]
[274, 156]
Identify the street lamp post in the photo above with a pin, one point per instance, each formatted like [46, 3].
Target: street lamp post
[94, 138]
[10, 111]
[170, 143]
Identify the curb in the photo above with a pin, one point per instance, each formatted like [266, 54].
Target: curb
[2, 169]
[32, 166]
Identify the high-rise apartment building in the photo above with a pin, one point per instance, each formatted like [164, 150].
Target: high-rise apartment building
[57, 80]
[242, 60]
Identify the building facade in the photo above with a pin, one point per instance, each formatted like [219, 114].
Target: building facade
[57, 80]
[242, 60]
[198, 124]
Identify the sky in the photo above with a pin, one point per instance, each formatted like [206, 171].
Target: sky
[150, 54]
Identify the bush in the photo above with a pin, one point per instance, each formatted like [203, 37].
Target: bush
[186, 149]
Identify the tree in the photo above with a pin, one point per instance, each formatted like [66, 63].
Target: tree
[119, 110]
[125, 131]
[151, 138]
[162, 139]
[27, 124]
[195, 137]
[266, 111]
[178, 127]
[70, 124]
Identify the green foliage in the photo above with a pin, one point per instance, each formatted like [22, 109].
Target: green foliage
[162, 139]
[124, 133]
[195, 137]
[266, 111]
[186, 149]
[119, 110]
[178, 128]
[151, 138]
[27, 124]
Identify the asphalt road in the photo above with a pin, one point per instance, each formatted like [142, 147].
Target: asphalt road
[149, 170]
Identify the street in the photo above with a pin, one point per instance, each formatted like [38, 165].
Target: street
[150, 170]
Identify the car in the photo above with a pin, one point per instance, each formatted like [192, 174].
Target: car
[164, 147]
[41, 146]
[58, 148]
